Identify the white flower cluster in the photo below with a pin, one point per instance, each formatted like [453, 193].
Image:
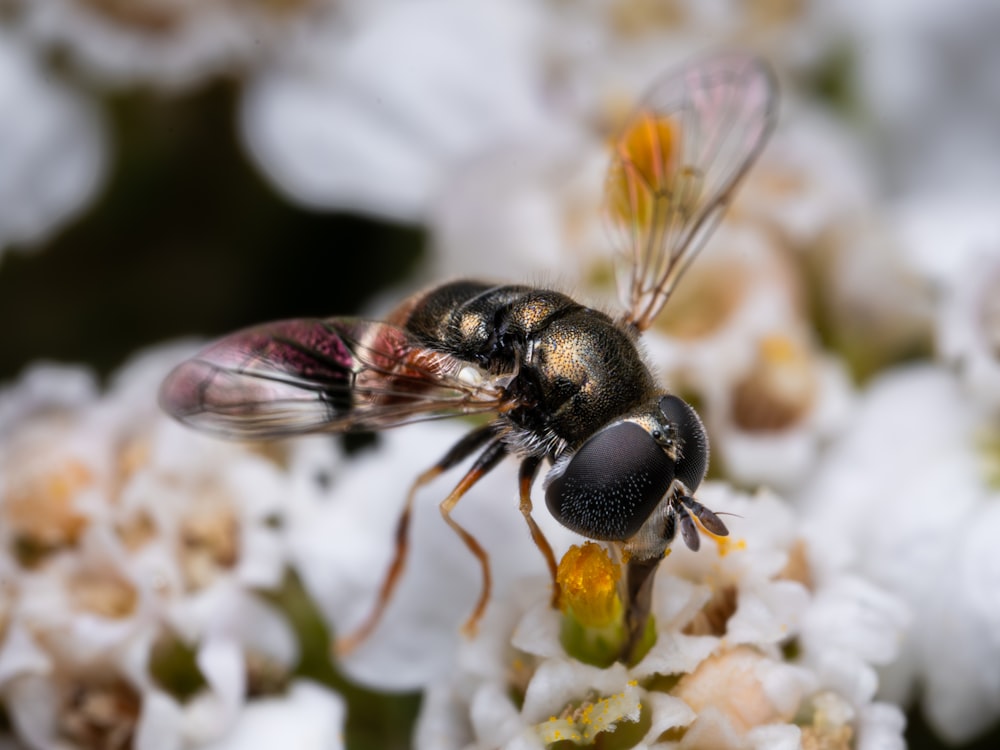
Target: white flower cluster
[914, 487]
[767, 643]
[133, 557]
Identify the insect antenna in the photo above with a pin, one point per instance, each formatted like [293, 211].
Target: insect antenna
[689, 532]
[709, 520]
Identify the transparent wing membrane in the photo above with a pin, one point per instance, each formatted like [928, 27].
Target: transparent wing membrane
[674, 168]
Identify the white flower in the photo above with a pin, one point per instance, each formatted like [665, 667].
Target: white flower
[52, 148]
[922, 72]
[530, 211]
[380, 113]
[374, 115]
[173, 43]
[769, 426]
[811, 178]
[876, 306]
[603, 48]
[940, 236]
[907, 492]
[133, 552]
[968, 327]
[534, 205]
[917, 281]
[759, 644]
[520, 202]
[741, 289]
[309, 717]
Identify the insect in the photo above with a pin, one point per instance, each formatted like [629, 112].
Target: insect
[565, 384]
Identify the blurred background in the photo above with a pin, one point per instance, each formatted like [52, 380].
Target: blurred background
[172, 168]
[157, 179]
[184, 236]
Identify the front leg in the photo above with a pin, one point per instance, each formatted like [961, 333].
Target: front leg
[458, 452]
[526, 476]
[488, 459]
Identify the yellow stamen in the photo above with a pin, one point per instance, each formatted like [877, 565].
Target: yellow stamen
[584, 722]
[727, 544]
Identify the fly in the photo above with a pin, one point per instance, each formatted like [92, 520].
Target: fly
[566, 385]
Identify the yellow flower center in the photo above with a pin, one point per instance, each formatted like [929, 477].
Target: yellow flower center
[103, 594]
[588, 584]
[97, 713]
[40, 508]
[209, 541]
[779, 390]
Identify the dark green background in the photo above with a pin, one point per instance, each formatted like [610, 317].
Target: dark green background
[185, 238]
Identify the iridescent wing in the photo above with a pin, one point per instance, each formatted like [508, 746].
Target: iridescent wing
[301, 376]
[685, 148]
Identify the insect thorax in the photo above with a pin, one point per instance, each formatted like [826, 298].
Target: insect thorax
[572, 369]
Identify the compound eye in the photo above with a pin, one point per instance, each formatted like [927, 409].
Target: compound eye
[693, 464]
[611, 484]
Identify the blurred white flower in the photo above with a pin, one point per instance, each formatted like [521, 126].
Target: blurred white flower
[534, 207]
[52, 148]
[968, 326]
[368, 114]
[920, 280]
[923, 73]
[770, 425]
[133, 556]
[940, 236]
[742, 288]
[171, 43]
[874, 307]
[766, 643]
[529, 211]
[600, 51]
[811, 178]
[907, 490]
[373, 116]
[309, 717]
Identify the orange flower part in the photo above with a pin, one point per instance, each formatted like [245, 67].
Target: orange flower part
[648, 158]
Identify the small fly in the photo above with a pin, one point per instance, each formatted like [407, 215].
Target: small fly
[566, 385]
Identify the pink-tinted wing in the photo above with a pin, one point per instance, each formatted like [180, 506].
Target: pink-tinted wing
[675, 165]
[300, 376]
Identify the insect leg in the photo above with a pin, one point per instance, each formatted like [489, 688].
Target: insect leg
[461, 450]
[489, 458]
[711, 522]
[526, 476]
